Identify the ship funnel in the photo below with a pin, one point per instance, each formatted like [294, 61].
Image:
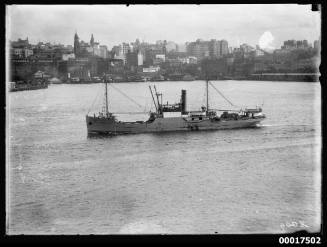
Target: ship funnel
[183, 101]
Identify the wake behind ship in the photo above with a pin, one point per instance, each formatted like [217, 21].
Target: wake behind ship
[173, 117]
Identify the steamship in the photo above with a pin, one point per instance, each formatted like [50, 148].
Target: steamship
[173, 117]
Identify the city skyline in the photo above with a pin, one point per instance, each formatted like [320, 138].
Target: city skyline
[58, 24]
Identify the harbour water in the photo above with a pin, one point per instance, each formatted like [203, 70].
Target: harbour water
[258, 180]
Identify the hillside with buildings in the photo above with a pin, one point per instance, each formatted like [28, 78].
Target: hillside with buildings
[85, 62]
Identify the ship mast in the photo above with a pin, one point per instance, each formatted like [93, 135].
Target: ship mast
[207, 89]
[107, 111]
[153, 99]
[159, 105]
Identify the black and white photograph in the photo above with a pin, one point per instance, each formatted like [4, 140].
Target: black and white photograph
[163, 119]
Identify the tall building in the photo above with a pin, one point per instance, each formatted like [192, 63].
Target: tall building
[289, 44]
[182, 47]
[132, 59]
[171, 46]
[214, 48]
[245, 48]
[316, 44]
[302, 44]
[76, 45]
[21, 48]
[124, 48]
[20, 43]
[115, 50]
[295, 44]
[223, 47]
[139, 59]
[92, 40]
[198, 49]
[103, 51]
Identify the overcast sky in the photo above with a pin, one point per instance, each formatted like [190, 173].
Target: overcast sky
[113, 24]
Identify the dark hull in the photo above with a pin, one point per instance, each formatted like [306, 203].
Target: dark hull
[24, 88]
[97, 125]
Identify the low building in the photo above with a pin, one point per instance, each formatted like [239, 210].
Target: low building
[18, 52]
[161, 57]
[151, 69]
[41, 74]
[28, 52]
[188, 60]
[66, 57]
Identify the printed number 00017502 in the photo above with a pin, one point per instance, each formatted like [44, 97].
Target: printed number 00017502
[300, 240]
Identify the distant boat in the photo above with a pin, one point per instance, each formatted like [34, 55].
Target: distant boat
[157, 78]
[55, 80]
[74, 80]
[188, 78]
[173, 117]
[34, 84]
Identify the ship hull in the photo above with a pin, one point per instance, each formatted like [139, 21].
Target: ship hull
[25, 88]
[97, 125]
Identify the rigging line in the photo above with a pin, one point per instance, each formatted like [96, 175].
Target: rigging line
[94, 100]
[126, 95]
[222, 94]
[131, 113]
[226, 110]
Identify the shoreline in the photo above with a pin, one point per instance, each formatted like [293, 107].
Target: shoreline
[254, 80]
